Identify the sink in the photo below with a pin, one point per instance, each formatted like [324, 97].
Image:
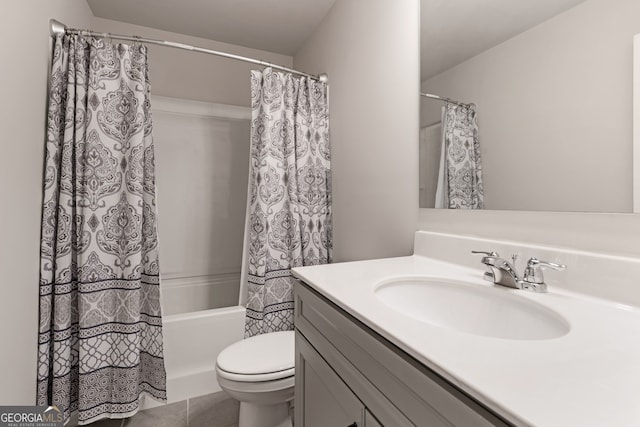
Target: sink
[472, 308]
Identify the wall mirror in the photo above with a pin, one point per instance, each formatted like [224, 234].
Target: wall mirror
[552, 84]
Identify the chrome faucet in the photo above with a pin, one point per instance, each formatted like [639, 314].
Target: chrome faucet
[533, 279]
[502, 272]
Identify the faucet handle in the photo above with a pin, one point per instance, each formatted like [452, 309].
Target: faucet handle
[492, 253]
[533, 272]
[488, 275]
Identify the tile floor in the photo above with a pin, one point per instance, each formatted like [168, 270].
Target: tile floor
[212, 410]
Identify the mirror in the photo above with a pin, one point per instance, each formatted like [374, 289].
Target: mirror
[552, 84]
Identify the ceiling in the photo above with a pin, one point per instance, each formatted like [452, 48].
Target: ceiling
[280, 26]
[456, 30]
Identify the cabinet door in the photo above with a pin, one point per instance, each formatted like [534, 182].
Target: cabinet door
[322, 399]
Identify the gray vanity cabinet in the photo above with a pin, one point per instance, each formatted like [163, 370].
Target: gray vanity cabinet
[327, 400]
[347, 374]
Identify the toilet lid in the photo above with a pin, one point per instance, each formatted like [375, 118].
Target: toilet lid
[261, 354]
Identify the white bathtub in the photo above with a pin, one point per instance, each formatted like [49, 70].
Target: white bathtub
[192, 342]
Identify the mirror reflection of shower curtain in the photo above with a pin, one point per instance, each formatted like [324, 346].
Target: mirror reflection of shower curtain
[460, 174]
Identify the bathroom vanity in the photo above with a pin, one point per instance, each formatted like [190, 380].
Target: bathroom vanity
[373, 349]
[348, 375]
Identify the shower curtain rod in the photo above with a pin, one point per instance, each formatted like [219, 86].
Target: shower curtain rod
[58, 27]
[450, 101]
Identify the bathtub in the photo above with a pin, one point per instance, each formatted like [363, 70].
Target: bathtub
[192, 342]
[200, 318]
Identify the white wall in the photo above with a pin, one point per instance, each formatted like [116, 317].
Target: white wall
[202, 171]
[23, 84]
[370, 49]
[202, 152]
[554, 110]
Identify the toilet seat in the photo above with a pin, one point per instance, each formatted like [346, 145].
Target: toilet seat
[266, 357]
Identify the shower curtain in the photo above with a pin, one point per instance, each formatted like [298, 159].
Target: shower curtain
[289, 193]
[460, 178]
[100, 341]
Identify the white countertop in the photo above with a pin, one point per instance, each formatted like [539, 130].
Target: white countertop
[589, 377]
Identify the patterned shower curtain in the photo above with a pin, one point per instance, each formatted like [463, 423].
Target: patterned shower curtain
[289, 193]
[100, 341]
[463, 185]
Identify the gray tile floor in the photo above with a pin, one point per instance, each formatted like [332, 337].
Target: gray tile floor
[212, 410]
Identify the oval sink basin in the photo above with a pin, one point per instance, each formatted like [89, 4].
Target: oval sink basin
[474, 309]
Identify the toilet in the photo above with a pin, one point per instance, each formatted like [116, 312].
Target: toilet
[259, 372]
